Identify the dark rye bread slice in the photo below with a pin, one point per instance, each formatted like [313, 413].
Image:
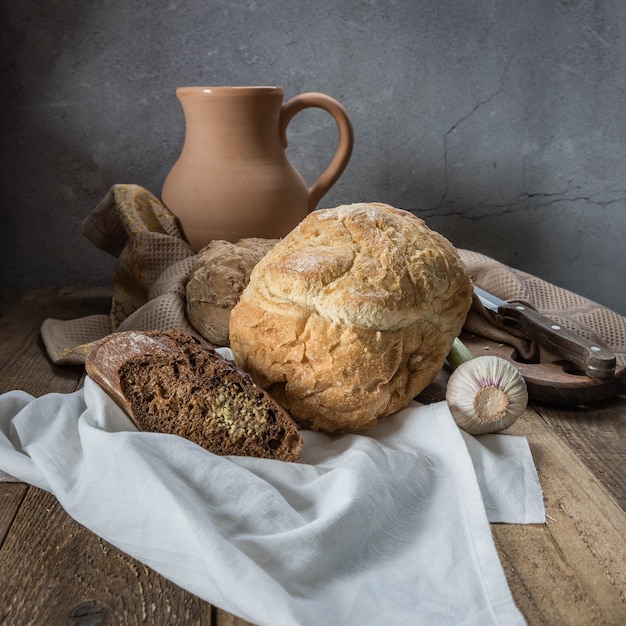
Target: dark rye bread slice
[171, 382]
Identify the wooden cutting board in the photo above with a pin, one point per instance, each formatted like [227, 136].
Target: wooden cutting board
[552, 382]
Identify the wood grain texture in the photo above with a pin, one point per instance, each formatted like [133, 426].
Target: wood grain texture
[54, 571]
[11, 498]
[23, 361]
[596, 434]
[227, 619]
[571, 570]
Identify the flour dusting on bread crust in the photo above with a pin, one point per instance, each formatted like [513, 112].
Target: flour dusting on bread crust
[351, 315]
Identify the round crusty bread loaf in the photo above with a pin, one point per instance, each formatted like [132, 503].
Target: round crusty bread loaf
[351, 315]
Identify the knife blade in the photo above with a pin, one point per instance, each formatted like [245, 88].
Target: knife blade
[594, 359]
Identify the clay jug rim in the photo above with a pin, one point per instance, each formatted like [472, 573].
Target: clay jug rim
[233, 90]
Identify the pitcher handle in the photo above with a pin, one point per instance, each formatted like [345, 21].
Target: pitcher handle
[346, 138]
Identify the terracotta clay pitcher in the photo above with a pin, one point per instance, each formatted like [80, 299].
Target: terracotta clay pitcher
[233, 179]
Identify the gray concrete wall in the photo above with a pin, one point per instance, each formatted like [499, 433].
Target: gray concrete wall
[501, 122]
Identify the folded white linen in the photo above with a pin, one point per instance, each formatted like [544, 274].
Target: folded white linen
[383, 527]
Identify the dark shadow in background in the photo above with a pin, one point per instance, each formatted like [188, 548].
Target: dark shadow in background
[42, 177]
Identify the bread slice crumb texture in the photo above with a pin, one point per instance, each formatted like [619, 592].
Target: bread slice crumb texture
[178, 385]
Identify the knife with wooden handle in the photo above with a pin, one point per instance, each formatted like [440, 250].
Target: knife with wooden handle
[595, 360]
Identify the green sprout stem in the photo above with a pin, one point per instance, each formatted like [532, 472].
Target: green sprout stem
[459, 353]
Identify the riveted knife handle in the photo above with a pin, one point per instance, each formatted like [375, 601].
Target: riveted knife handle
[595, 360]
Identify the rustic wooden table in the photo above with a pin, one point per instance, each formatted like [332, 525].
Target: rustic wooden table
[572, 570]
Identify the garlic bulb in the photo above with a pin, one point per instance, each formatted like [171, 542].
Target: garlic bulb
[486, 394]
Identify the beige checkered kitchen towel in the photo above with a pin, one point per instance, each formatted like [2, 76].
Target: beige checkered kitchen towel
[150, 276]
[154, 263]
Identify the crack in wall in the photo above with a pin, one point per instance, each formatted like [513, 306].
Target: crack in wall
[527, 201]
[484, 211]
[461, 120]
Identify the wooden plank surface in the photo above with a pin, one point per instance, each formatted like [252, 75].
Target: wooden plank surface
[23, 363]
[597, 435]
[570, 571]
[11, 497]
[54, 571]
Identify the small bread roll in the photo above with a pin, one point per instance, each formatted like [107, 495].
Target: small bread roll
[351, 315]
[219, 275]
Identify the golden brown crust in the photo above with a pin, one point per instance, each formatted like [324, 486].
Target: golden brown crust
[351, 315]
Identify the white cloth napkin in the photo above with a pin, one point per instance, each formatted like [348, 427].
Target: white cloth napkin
[386, 527]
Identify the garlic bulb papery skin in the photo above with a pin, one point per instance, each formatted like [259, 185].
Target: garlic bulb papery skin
[486, 395]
